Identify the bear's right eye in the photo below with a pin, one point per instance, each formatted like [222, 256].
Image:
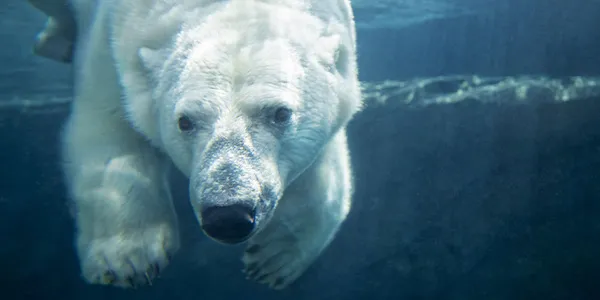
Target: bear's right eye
[185, 124]
[282, 115]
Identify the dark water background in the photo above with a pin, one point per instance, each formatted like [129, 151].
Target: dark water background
[461, 201]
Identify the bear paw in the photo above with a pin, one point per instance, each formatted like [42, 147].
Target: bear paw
[129, 259]
[276, 263]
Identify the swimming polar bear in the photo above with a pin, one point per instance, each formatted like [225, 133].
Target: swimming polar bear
[248, 98]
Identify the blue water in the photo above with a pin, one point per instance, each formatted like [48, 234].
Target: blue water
[464, 189]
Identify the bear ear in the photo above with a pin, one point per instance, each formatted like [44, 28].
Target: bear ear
[151, 59]
[334, 54]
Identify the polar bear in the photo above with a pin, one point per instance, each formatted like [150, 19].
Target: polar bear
[248, 98]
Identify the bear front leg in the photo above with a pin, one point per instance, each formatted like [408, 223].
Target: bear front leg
[126, 224]
[305, 222]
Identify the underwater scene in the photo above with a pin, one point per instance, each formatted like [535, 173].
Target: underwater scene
[300, 149]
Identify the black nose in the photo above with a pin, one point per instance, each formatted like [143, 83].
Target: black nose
[228, 224]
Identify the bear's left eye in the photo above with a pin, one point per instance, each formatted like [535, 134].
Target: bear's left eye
[185, 124]
[282, 115]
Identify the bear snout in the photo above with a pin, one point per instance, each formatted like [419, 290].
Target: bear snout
[234, 193]
[227, 202]
[230, 224]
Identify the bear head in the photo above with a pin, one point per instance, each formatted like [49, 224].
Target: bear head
[243, 111]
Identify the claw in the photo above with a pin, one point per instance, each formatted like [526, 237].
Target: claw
[130, 263]
[148, 280]
[151, 271]
[251, 267]
[261, 277]
[129, 281]
[252, 273]
[278, 283]
[108, 277]
[253, 249]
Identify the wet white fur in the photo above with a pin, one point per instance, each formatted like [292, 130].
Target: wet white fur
[139, 63]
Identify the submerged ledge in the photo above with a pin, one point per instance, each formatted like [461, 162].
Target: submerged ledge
[500, 90]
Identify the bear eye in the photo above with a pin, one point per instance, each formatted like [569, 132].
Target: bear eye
[282, 115]
[185, 124]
